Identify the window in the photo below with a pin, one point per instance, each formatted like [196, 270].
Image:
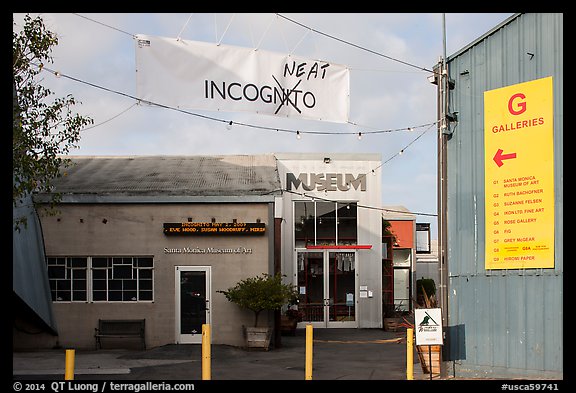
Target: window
[325, 223]
[113, 279]
[423, 238]
[402, 260]
[67, 278]
[126, 279]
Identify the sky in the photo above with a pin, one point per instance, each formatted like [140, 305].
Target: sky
[387, 54]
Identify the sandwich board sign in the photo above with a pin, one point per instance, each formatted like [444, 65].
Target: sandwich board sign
[428, 326]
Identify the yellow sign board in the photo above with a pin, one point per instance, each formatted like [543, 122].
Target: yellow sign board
[519, 176]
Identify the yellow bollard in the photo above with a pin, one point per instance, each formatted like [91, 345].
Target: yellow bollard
[410, 354]
[309, 340]
[206, 374]
[69, 372]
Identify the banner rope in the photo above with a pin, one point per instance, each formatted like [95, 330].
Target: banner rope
[183, 27]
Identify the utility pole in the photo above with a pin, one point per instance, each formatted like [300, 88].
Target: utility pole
[444, 118]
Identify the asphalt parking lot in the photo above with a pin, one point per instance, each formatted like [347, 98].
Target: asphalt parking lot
[338, 354]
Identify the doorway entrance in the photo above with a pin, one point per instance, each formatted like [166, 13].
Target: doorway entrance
[326, 283]
[192, 303]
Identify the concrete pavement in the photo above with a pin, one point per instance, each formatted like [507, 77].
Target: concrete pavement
[338, 354]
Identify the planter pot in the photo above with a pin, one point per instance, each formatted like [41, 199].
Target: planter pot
[424, 357]
[257, 337]
[288, 325]
[392, 324]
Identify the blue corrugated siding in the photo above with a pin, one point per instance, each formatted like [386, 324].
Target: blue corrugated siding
[509, 322]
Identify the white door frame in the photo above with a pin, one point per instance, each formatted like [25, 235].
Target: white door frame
[195, 338]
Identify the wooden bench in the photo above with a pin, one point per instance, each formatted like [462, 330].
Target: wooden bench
[120, 328]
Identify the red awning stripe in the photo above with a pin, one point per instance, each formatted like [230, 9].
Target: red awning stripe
[342, 247]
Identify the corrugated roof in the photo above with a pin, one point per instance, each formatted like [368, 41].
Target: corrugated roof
[233, 175]
[397, 212]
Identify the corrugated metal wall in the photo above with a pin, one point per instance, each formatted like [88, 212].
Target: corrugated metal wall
[502, 323]
[29, 274]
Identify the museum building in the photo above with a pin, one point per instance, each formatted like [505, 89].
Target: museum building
[156, 238]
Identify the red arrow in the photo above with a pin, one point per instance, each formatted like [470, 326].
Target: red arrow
[498, 157]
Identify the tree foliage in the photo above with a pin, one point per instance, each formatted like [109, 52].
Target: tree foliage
[259, 293]
[387, 230]
[44, 127]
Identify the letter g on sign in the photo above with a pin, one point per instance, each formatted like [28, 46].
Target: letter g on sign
[521, 105]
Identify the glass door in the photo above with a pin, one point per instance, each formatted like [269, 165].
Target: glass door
[192, 303]
[326, 283]
[341, 289]
[311, 286]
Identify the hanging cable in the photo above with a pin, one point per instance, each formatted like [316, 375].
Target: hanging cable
[354, 45]
[112, 118]
[298, 132]
[308, 30]
[183, 27]
[265, 31]
[104, 24]
[301, 39]
[402, 150]
[226, 29]
[316, 197]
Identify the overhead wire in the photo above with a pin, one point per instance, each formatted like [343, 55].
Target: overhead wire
[362, 206]
[184, 27]
[303, 194]
[249, 125]
[355, 45]
[112, 118]
[229, 122]
[104, 24]
[298, 132]
[308, 28]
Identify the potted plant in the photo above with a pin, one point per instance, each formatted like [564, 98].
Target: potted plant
[259, 293]
[393, 317]
[289, 320]
[426, 292]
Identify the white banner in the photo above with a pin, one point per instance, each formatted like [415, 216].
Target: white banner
[201, 75]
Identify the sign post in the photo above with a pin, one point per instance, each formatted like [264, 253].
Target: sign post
[428, 325]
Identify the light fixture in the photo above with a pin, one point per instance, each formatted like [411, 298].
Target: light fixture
[401, 151]
[327, 160]
[359, 136]
[433, 79]
[229, 125]
[298, 136]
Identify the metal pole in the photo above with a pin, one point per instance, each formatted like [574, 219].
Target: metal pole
[206, 356]
[309, 340]
[430, 360]
[410, 354]
[443, 89]
[69, 372]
